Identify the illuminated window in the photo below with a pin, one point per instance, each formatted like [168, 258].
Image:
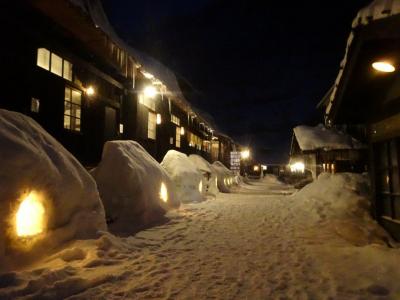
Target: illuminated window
[147, 101]
[151, 126]
[54, 63]
[72, 109]
[67, 70]
[43, 58]
[178, 137]
[175, 120]
[35, 105]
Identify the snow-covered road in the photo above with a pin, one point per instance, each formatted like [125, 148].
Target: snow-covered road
[253, 244]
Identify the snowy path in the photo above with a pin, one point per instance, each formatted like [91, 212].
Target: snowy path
[247, 245]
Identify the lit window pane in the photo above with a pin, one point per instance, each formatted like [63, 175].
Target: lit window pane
[151, 126]
[43, 58]
[67, 108]
[178, 137]
[67, 94]
[56, 64]
[76, 97]
[67, 122]
[67, 71]
[77, 125]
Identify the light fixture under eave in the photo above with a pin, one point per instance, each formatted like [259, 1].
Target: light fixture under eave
[256, 168]
[90, 91]
[150, 91]
[383, 66]
[30, 217]
[158, 120]
[182, 130]
[163, 192]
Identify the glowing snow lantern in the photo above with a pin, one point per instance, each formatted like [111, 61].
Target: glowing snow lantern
[201, 186]
[30, 217]
[150, 91]
[163, 192]
[383, 66]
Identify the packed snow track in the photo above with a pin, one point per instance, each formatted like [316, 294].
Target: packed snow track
[252, 244]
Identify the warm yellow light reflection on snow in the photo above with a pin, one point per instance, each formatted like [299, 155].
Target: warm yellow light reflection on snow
[163, 192]
[30, 217]
[383, 66]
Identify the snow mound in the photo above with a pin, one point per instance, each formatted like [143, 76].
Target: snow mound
[342, 202]
[225, 177]
[46, 196]
[210, 186]
[184, 174]
[134, 188]
[320, 137]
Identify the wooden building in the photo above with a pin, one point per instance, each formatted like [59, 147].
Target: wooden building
[64, 66]
[366, 99]
[319, 149]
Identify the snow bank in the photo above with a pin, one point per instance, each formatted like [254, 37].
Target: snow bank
[320, 137]
[225, 177]
[46, 196]
[342, 201]
[210, 186]
[130, 181]
[186, 177]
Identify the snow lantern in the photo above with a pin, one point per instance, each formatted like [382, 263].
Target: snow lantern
[136, 191]
[187, 179]
[209, 181]
[224, 175]
[46, 197]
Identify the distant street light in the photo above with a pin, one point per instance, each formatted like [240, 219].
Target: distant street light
[90, 91]
[245, 154]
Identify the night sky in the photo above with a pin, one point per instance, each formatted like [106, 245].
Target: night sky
[258, 69]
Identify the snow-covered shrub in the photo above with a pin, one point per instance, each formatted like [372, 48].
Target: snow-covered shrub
[225, 177]
[342, 201]
[46, 196]
[134, 188]
[184, 174]
[210, 186]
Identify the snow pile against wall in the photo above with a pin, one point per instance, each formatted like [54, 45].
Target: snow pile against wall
[210, 186]
[320, 137]
[184, 174]
[340, 201]
[46, 196]
[225, 177]
[134, 188]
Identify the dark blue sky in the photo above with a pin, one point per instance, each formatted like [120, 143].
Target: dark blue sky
[259, 68]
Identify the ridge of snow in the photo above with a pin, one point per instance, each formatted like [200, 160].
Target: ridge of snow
[320, 137]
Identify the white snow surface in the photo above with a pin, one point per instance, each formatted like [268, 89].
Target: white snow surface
[34, 162]
[257, 243]
[185, 176]
[225, 177]
[320, 137]
[210, 186]
[129, 180]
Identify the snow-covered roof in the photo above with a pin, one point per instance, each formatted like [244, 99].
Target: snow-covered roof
[378, 9]
[94, 9]
[320, 137]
